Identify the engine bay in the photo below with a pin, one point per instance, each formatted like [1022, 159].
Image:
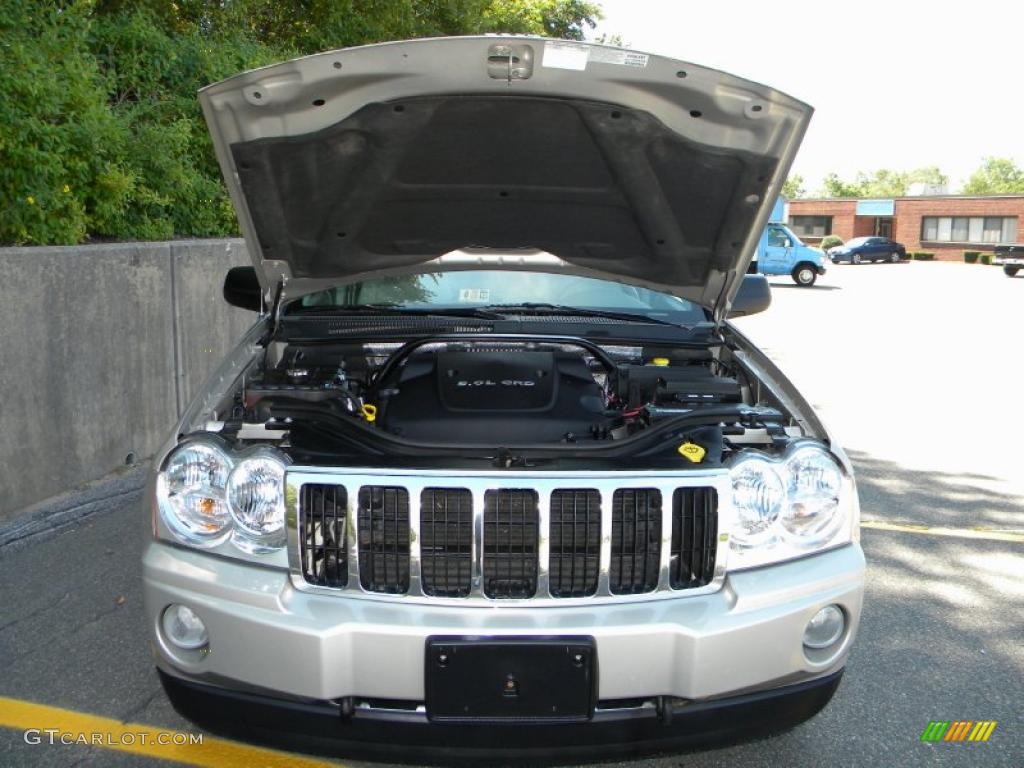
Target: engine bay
[506, 399]
[485, 393]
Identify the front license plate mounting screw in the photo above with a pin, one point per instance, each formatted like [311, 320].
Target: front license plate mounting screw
[511, 687]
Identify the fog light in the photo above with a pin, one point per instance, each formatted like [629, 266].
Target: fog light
[183, 628]
[825, 628]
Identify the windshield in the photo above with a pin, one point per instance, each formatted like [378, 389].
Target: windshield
[480, 289]
[856, 241]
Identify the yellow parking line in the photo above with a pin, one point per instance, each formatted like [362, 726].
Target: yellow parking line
[962, 533]
[69, 727]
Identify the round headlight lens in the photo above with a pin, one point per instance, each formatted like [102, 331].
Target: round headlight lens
[255, 494]
[813, 485]
[758, 494]
[190, 492]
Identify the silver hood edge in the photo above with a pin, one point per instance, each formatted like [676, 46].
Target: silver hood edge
[393, 158]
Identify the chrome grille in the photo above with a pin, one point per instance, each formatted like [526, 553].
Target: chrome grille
[510, 543]
[384, 539]
[323, 549]
[446, 548]
[636, 540]
[694, 532]
[509, 537]
[575, 537]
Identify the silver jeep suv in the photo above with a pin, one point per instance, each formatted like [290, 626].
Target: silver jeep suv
[492, 476]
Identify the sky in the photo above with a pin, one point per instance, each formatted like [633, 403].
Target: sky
[899, 84]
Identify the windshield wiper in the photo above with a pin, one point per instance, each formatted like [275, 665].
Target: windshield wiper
[543, 308]
[390, 308]
[490, 312]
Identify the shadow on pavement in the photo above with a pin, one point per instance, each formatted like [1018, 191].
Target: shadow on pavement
[940, 632]
[892, 493]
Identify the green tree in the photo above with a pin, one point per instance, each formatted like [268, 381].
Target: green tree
[60, 166]
[794, 187]
[930, 175]
[996, 176]
[883, 182]
[567, 19]
[836, 187]
[101, 132]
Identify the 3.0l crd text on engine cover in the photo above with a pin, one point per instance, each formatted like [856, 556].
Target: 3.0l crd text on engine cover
[492, 475]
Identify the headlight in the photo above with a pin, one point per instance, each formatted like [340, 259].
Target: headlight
[255, 495]
[757, 496]
[207, 494]
[814, 484]
[190, 494]
[789, 506]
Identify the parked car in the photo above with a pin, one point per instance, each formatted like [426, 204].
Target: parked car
[862, 249]
[781, 252]
[1010, 258]
[492, 475]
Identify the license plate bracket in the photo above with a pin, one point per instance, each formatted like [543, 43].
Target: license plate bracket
[511, 679]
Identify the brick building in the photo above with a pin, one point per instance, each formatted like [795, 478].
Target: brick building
[947, 225]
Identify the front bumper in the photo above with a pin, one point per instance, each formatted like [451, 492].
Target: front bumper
[1009, 261]
[268, 637]
[407, 736]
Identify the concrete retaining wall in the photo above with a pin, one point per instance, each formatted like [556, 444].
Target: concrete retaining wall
[101, 347]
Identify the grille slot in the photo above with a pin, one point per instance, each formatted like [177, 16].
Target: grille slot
[446, 541]
[575, 542]
[323, 535]
[384, 539]
[636, 540]
[510, 543]
[694, 537]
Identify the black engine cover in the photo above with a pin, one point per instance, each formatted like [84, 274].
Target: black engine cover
[494, 397]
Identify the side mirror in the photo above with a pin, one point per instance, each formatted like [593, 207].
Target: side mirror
[754, 295]
[242, 289]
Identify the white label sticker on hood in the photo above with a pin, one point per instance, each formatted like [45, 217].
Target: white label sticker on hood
[566, 55]
[563, 55]
[619, 56]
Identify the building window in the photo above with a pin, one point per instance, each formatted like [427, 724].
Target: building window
[977, 229]
[811, 226]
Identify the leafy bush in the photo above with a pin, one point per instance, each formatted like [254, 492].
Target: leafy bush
[101, 134]
[60, 164]
[923, 256]
[971, 257]
[986, 258]
[830, 241]
[154, 74]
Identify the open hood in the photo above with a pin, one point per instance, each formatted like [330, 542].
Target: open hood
[380, 160]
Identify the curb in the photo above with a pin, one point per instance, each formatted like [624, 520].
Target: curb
[72, 506]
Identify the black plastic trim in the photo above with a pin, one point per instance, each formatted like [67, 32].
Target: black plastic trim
[319, 727]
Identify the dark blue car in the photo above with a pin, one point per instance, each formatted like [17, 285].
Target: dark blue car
[862, 249]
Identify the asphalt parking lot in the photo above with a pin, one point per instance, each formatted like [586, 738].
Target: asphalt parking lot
[914, 366]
